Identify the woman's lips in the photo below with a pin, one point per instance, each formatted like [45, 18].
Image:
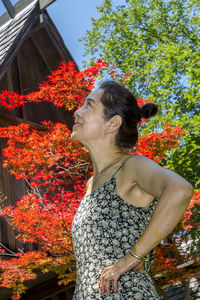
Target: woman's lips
[76, 125]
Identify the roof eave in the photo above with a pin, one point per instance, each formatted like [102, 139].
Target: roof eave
[19, 41]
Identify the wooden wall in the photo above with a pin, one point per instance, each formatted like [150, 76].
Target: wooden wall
[12, 189]
[41, 53]
[37, 57]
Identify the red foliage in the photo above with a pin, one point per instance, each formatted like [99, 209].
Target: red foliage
[156, 145]
[188, 221]
[66, 87]
[32, 153]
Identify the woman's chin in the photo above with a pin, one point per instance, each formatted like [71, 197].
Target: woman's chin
[74, 136]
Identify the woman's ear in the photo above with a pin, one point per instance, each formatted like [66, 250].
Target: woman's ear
[113, 124]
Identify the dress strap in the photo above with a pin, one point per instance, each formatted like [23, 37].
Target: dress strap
[122, 165]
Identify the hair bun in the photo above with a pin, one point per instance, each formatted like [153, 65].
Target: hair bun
[148, 110]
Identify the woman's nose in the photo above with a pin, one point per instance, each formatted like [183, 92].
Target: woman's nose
[77, 112]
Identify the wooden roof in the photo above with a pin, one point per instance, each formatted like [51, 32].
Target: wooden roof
[13, 31]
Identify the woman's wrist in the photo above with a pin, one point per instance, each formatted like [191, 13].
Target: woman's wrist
[137, 256]
[141, 248]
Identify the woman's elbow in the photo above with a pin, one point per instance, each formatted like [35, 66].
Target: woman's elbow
[186, 191]
[190, 191]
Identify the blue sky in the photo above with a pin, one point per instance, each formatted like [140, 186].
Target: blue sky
[72, 19]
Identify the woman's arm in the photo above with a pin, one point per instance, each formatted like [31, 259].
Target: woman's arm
[173, 193]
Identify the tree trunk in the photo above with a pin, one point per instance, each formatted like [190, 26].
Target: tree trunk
[186, 285]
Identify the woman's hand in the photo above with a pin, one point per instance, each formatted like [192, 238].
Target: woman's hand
[114, 272]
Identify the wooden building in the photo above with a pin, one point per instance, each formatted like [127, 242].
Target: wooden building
[30, 48]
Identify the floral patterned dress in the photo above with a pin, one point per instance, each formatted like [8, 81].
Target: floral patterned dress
[103, 229]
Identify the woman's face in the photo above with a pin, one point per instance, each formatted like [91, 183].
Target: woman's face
[89, 122]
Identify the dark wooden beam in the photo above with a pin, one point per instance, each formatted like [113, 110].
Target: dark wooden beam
[49, 290]
[45, 3]
[38, 47]
[16, 120]
[10, 8]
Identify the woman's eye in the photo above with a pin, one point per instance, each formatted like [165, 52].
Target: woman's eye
[87, 104]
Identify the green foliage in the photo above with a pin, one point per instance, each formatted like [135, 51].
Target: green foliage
[158, 43]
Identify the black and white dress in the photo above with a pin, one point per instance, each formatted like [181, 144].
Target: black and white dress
[103, 229]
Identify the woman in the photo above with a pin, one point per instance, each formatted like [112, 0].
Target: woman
[130, 205]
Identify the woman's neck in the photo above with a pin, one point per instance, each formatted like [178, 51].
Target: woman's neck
[104, 158]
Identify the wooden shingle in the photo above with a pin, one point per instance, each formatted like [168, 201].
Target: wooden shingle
[13, 32]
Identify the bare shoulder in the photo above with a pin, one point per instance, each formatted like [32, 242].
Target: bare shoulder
[150, 176]
[88, 185]
[139, 163]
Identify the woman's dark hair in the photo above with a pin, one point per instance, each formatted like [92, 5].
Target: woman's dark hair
[117, 100]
